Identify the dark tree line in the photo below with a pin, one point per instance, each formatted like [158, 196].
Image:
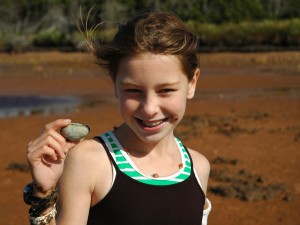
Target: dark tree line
[213, 11]
[43, 22]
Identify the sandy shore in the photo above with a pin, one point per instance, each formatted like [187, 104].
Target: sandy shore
[245, 118]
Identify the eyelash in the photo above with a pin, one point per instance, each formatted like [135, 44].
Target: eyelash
[167, 90]
[132, 90]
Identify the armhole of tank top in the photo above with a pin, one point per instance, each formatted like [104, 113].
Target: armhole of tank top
[197, 178]
[193, 168]
[114, 172]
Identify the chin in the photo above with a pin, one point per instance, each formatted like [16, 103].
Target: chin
[152, 138]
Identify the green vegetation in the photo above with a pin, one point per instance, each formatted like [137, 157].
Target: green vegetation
[283, 33]
[220, 24]
[51, 38]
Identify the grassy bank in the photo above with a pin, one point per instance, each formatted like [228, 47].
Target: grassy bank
[267, 34]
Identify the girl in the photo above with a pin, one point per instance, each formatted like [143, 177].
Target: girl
[139, 173]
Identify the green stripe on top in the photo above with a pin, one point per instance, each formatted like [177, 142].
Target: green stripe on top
[126, 165]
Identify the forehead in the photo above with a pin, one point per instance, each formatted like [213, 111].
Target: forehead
[151, 66]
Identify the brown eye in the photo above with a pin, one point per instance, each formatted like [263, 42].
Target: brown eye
[132, 90]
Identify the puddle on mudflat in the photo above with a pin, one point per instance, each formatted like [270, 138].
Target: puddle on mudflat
[12, 106]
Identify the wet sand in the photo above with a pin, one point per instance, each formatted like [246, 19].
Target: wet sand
[245, 118]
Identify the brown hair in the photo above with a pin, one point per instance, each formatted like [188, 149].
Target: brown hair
[157, 33]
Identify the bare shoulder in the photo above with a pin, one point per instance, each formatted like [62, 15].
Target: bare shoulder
[199, 160]
[202, 167]
[87, 152]
[87, 161]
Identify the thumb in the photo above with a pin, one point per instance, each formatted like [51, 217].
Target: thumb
[69, 146]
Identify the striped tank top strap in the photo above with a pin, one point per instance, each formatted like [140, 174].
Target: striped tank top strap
[126, 165]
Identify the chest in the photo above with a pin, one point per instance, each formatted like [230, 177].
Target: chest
[135, 203]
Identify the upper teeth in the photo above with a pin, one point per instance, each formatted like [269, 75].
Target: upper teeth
[152, 123]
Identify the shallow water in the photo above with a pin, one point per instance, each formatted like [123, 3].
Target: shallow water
[12, 106]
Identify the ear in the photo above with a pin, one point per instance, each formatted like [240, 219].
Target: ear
[192, 84]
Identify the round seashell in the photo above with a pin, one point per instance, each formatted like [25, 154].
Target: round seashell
[75, 131]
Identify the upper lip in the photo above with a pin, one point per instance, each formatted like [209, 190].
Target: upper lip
[151, 121]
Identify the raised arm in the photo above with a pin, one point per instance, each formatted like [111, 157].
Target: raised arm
[46, 155]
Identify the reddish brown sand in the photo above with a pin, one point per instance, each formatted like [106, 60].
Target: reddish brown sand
[245, 119]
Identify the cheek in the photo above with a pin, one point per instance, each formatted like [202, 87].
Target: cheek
[128, 105]
[176, 105]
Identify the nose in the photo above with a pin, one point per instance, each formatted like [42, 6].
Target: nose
[149, 106]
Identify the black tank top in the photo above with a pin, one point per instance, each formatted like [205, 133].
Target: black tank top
[135, 203]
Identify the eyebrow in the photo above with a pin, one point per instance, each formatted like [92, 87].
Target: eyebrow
[160, 85]
[128, 83]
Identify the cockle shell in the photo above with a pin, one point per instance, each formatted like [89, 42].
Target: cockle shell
[75, 131]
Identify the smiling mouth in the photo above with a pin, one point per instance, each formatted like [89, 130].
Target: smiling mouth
[151, 124]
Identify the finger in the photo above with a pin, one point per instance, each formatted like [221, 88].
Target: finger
[44, 139]
[45, 153]
[50, 159]
[49, 155]
[69, 146]
[52, 140]
[57, 124]
[32, 145]
[57, 147]
[58, 138]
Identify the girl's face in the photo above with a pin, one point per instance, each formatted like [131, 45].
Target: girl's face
[152, 91]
